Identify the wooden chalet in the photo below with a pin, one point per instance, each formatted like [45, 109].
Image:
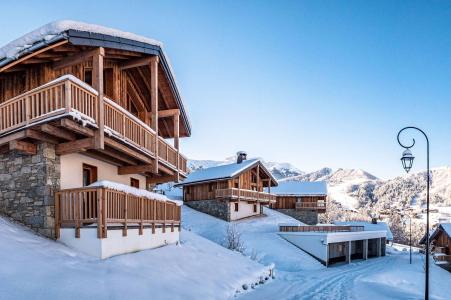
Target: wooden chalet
[97, 104]
[230, 192]
[440, 241]
[301, 200]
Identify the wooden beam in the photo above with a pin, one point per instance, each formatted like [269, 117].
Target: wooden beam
[138, 169]
[74, 126]
[118, 156]
[18, 61]
[97, 82]
[154, 103]
[177, 143]
[58, 132]
[127, 150]
[102, 157]
[15, 136]
[75, 146]
[137, 62]
[166, 170]
[41, 136]
[168, 113]
[75, 59]
[23, 147]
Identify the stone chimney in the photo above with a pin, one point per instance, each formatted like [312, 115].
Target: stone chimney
[240, 156]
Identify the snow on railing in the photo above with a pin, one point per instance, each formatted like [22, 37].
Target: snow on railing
[245, 195]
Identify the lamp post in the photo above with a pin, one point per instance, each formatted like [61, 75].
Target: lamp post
[407, 161]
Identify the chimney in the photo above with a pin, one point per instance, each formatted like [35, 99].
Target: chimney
[373, 221]
[240, 156]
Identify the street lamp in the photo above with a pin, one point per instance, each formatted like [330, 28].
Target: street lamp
[407, 161]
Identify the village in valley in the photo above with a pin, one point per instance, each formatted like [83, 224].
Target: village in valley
[99, 201]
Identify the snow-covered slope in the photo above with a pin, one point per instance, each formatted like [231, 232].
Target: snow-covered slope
[259, 236]
[33, 267]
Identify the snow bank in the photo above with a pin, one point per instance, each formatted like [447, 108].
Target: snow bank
[38, 268]
[132, 190]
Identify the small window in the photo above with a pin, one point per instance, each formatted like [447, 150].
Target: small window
[255, 208]
[236, 206]
[88, 76]
[211, 187]
[187, 190]
[89, 174]
[237, 184]
[254, 178]
[134, 183]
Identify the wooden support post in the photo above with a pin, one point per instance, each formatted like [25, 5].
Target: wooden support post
[258, 181]
[154, 104]
[100, 213]
[154, 216]
[172, 227]
[97, 82]
[77, 215]
[104, 214]
[177, 143]
[57, 215]
[124, 231]
[67, 96]
[365, 249]
[141, 228]
[164, 218]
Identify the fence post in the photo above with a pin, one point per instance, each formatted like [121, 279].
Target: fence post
[104, 213]
[124, 230]
[99, 214]
[57, 215]
[142, 215]
[77, 214]
[164, 217]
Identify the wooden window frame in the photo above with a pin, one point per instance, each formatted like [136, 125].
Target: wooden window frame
[134, 181]
[93, 173]
[236, 206]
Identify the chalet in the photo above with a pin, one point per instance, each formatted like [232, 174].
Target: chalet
[230, 192]
[301, 200]
[82, 104]
[331, 244]
[440, 241]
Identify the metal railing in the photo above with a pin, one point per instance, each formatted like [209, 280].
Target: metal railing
[295, 228]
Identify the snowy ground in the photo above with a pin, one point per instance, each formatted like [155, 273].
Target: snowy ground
[301, 277]
[37, 268]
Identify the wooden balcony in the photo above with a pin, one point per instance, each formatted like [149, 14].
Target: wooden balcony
[245, 195]
[295, 228]
[76, 208]
[68, 97]
[311, 205]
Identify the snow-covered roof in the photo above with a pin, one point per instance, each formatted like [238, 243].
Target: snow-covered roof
[301, 188]
[368, 226]
[222, 172]
[132, 190]
[51, 31]
[446, 227]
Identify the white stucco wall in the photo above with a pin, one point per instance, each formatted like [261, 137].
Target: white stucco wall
[72, 171]
[244, 210]
[115, 243]
[315, 244]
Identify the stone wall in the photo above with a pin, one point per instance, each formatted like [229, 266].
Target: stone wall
[27, 187]
[309, 217]
[217, 208]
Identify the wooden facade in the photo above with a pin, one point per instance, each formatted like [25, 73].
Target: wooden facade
[125, 95]
[301, 202]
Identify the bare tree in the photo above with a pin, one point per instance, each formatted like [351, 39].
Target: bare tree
[233, 239]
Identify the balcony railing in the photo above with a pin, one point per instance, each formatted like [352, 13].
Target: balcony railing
[295, 228]
[246, 195]
[68, 95]
[442, 259]
[310, 205]
[75, 208]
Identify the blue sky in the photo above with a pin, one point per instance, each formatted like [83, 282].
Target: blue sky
[314, 83]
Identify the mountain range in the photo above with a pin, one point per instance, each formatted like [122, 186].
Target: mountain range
[357, 189]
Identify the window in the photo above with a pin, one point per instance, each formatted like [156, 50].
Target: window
[108, 82]
[236, 206]
[89, 174]
[211, 187]
[187, 190]
[254, 178]
[255, 208]
[299, 200]
[237, 184]
[88, 76]
[134, 183]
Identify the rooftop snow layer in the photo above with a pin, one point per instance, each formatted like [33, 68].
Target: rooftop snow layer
[369, 227]
[300, 188]
[219, 172]
[446, 227]
[131, 190]
[53, 29]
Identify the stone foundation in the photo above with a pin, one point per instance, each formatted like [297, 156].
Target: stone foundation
[27, 187]
[309, 217]
[217, 208]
